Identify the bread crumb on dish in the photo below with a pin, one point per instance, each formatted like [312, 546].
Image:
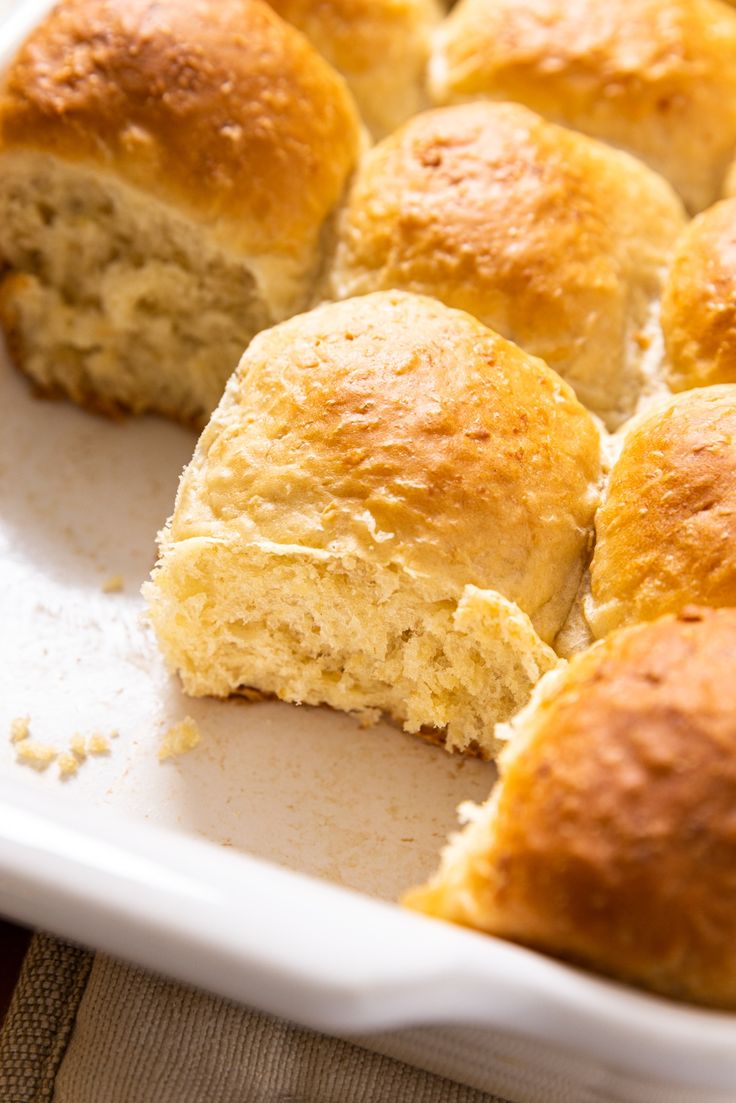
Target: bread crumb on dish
[20, 729]
[78, 746]
[179, 739]
[114, 584]
[68, 765]
[39, 756]
[98, 744]
[36, 755]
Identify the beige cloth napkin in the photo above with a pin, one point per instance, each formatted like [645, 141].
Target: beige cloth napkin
[92, 1030]
[86, 1029]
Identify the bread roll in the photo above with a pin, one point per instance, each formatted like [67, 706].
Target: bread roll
[165, 173]
[556, 241]
[655, 77]
[609, 840]
[390, 510]
[699, 305]
[380, 47]
[666, 530]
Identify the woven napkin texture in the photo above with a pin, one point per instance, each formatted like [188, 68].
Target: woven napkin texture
[84, 1030]
[40, 1019]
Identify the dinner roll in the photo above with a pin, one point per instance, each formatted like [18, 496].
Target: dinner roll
[379, 46]
[390, 510]
[557, 241]
[656, 77]
[699, 305]
[166, 170]
[609, 840]
[666, 531]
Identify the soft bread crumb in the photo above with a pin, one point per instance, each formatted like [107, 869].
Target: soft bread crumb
[114, 584]
[68, 765]
[98, 744]
[179, 739]
[78, 746]
[20, 729]
[367, 718]
[36, 755]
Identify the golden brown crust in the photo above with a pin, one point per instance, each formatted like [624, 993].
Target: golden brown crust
[216, 107]
[555, 241]
[379, 46]
[699, 304]
[351, 31]
[655, 77]
[666, 531]
[393, 428]
[611, 840]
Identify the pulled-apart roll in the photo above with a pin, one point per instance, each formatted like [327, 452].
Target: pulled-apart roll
[609, 840]
[556, 241]
[666, 529]
[166, 171]
[390, 510]
[655, 77]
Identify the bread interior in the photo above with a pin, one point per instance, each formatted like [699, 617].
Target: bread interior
[115, 299]
[311, 627]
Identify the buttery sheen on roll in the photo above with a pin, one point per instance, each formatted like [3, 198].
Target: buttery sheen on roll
[390, 511]
[166, 170]
[699, 305]
[379, 46]
[556, 241]
[666, 529]
[609, 840]
[655, 77]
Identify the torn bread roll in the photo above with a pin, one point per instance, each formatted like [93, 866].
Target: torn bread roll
[655, 77]
[556, 241]
[166, 171]
[381, 47]
[390, 510]
[609, 840]
[666, 529]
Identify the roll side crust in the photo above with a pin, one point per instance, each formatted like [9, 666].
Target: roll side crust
[610, 840]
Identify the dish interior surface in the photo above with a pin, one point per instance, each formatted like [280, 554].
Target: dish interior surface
[81, 501]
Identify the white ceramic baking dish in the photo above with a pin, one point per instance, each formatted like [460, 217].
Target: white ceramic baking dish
[261, 865]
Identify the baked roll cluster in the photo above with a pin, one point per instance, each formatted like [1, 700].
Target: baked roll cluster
[485, 415]
[655, 77]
